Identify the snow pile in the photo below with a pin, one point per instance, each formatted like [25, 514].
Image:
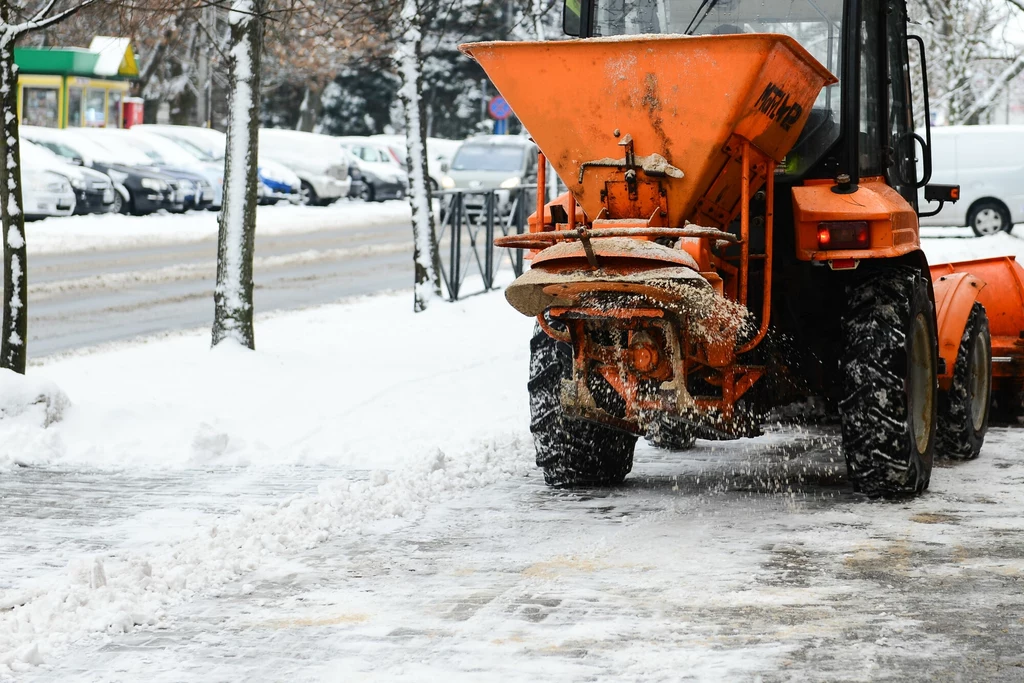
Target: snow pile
[118, 593]
[945, 245]
[29, 401]
[365, 384]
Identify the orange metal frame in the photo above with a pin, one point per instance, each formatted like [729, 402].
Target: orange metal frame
[716, 364]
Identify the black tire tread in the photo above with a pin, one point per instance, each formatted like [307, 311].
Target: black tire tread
[572, 452]
[881, 460]
[957, 438]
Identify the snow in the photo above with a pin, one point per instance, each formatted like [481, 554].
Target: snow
[339, 385]
[943, 245]
[107, 231]
[30, 401]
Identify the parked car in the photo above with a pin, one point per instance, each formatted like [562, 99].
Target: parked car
[198, 192]
[381, 175]
[138, 190]
[439, 155]
[319, 160]
[45, 193]
[167, 153]
[492, 162]
[987, 162]
[277, 181]
[94, 191]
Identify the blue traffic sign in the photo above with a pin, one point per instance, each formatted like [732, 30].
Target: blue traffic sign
[498, 108]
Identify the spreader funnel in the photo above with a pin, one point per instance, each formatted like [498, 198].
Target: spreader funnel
[644, 126]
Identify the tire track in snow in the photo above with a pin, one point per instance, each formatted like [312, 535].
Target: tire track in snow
[199, 271]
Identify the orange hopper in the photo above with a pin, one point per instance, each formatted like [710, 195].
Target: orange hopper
[675, 108]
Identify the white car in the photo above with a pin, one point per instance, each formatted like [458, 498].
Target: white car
[45, 193]
[319, 160]
[381, 173]
[440, 153]
[987, 162]
[277, 181]
[94, 191]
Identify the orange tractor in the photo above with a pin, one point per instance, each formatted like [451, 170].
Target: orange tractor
[741, 232]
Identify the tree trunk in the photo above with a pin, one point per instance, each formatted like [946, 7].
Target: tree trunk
[309, 108]
[13, 351]
[233, 305]
[426, 259]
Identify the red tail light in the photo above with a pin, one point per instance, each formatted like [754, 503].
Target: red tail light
[844, 235]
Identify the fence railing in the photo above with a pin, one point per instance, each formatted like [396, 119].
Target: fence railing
[468, 223]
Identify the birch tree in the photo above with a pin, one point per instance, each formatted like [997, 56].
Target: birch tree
[13, 344]
[233, 301]
[972, 59]
[409, 60]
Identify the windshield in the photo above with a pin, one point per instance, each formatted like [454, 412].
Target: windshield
[118, 147]
[193, 150]
[815, 24]
[162, 150]
[504, 158]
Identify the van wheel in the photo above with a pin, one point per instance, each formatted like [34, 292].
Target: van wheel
[964, 409]
[989, 218]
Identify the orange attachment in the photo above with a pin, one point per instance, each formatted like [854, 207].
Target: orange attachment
[1002, 295]
[649, 125]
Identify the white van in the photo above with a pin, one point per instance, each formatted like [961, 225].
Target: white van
[987, 162]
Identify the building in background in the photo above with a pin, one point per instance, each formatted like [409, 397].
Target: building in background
[74, 87]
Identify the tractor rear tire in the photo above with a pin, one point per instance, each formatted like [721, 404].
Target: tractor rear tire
[572, 452]
[890, 382]
[964, 409]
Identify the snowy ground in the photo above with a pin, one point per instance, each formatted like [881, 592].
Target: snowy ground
[356, 501]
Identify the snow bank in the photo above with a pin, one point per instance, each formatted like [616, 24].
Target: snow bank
[106, 231]
[944, 245]
[29, 402]
[364, 384]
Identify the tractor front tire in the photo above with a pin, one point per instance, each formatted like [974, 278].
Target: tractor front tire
[890, 384]
[964, 409]
[571, 451]
[672, 435]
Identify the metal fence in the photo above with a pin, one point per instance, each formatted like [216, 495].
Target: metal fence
[468, 223]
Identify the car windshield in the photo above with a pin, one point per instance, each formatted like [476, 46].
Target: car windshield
[815, 24]
[78, 147]
[119, 148]
[162, 150]
[505, 158]
[193, 150]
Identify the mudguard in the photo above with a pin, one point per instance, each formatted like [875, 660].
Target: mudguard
[955, 295]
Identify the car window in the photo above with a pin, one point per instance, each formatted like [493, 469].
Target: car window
[488, 158]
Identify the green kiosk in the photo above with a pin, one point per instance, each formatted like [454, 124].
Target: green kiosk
[77, 87]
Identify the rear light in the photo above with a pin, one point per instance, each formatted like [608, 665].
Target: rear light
[844, 235]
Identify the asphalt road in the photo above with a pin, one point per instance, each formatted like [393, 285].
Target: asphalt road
[84, 299]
